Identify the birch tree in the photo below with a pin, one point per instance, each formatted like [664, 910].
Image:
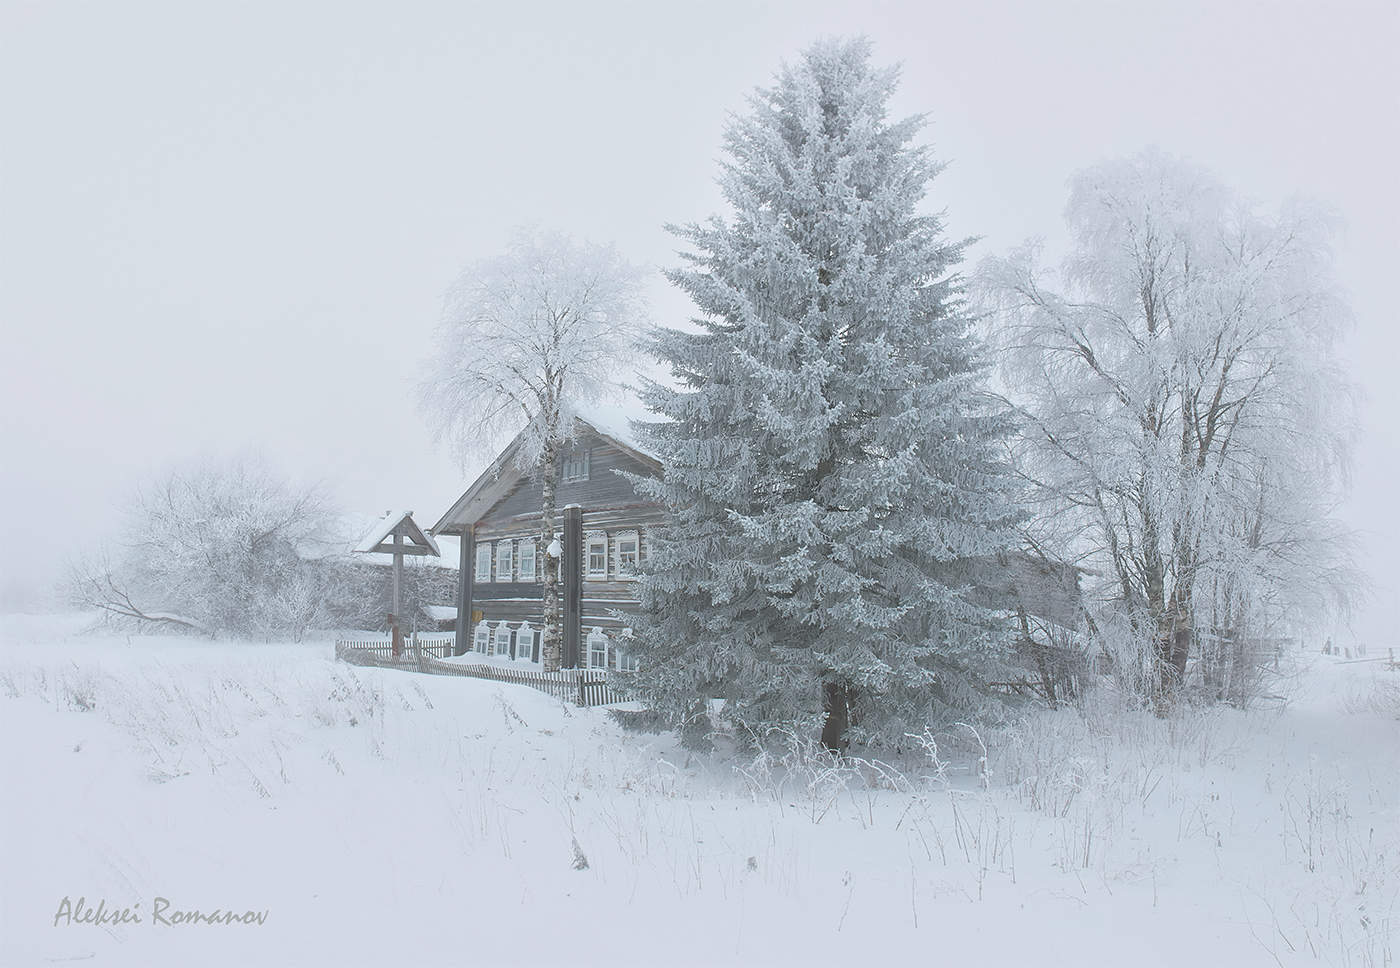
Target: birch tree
[526, 338]
[1187, 420]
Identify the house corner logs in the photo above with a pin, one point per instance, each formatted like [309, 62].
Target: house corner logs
[573, 583]
[466, 566]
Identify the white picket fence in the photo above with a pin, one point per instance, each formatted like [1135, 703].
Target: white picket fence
[424, 653]
[436, 645]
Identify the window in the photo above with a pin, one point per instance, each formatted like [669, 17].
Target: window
[500, 640]
[626, 661]
[526, 556]
[627, 545]
[575, 466]
[505, 553]
[482, 640]
[483, 561]
[597, 555]
[525, 644]
[597, 649]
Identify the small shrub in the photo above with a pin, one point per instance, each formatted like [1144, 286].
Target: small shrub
[1379, 697]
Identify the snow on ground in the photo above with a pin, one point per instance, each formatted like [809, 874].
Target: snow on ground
[380, 816]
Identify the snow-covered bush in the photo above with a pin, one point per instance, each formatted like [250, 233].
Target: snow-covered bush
[1378, 696]
[221, 549]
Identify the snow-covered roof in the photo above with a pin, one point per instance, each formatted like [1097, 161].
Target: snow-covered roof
[440, 613]
[615, 420]
[345, 533]
[612, 420]
[450, 545]
[384, 527]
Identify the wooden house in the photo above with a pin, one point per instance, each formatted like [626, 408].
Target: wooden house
[601, 533]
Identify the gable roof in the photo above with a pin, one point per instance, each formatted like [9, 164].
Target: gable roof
[615, 423]
[503, 473]
[386, 525]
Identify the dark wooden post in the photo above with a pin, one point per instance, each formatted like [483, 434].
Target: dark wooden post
[398, 571]
[573, 583]
[466, 574]
[395, 633]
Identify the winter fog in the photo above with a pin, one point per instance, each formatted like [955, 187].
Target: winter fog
[233, 230]
[706, 484]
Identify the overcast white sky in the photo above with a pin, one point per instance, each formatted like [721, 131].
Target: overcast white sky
[227, 226]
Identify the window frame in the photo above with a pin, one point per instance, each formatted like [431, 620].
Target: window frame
[490, 559]
[500, 629]
[524, 630]
[505, 548]
[594, 634]
[589, 540]
[482, 631]
[521, 545]
[626, 659]
[617, 540]
[579, 460]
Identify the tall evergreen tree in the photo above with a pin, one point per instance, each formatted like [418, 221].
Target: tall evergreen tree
[829, 455]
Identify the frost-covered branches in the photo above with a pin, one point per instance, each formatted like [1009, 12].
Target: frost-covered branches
[220, 549]
[527, 337]
[830, 456]
[1187, 422]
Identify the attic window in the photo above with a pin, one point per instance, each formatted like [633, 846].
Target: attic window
[575, 466]
[504, 560]
[483, 561]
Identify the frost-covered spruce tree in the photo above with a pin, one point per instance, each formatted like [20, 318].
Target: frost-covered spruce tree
[829, 455]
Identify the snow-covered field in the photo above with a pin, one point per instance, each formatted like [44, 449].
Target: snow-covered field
[380, 817]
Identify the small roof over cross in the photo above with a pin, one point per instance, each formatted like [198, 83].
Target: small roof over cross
[413, 540]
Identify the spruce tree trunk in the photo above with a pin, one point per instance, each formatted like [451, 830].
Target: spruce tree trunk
[836, 700]
[552, 637]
